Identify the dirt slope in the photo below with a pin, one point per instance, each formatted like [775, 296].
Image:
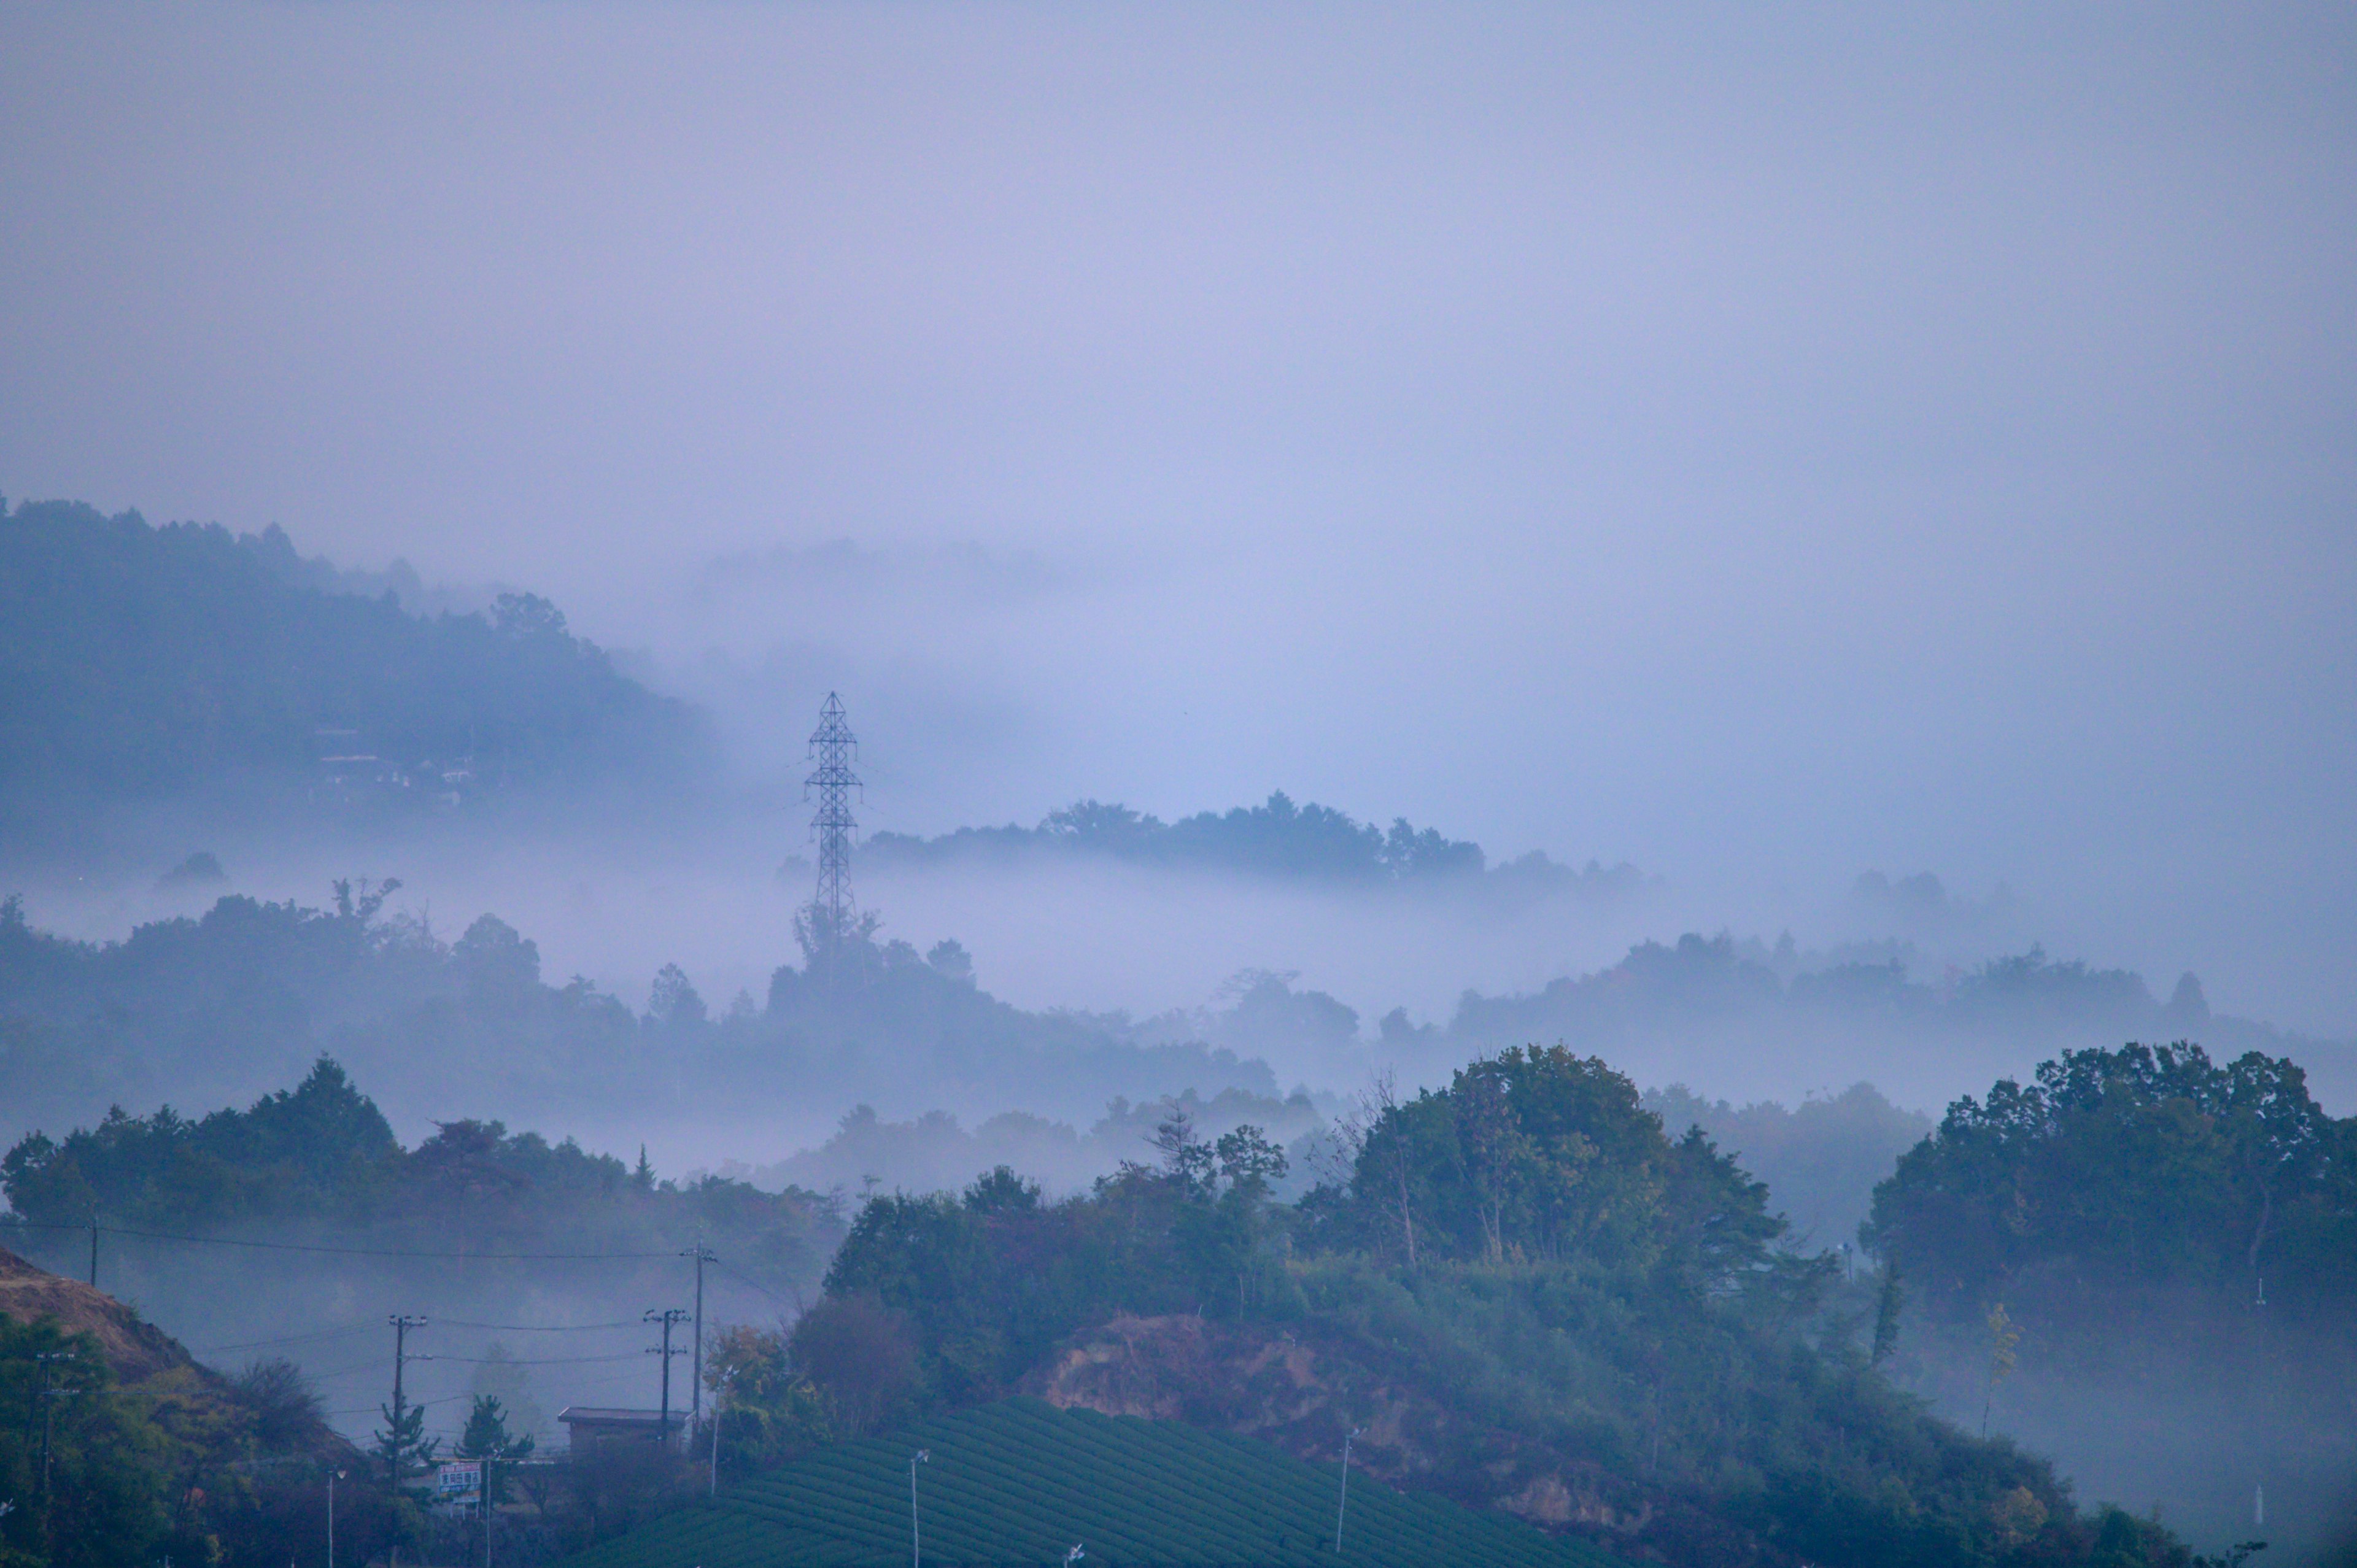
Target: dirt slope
[1302, 1391]
[135, 1350]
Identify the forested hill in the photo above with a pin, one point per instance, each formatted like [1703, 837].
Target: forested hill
[145, 661]
[1276, 838]
[240, 1000]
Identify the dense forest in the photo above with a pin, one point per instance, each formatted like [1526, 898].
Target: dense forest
[240, 1000]
[1522, 1291]
[2168, 1246]
[145, 661]
[1276, 838]
[1518, 1289]
[321, 1159]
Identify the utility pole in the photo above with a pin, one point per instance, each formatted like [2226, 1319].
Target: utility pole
[1345, 1502]
[93, 1249]
[333, 1476]
[402, 1324]
[668, 1317]
[50, 1394]
[703, 1255]
[916, 1555]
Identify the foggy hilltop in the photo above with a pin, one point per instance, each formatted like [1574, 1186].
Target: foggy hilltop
[1194, 788]
[757, 1065]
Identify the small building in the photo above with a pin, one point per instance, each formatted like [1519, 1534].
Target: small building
[587, 1426]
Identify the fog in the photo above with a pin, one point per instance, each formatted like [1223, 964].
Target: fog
[1757, 449]
[1876, 487]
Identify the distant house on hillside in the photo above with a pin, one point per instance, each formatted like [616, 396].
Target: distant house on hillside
[587, 1426]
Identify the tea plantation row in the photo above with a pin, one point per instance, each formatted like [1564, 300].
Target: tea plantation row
[1022, 1482]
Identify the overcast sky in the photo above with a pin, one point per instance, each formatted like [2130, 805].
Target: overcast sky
[1762, 444]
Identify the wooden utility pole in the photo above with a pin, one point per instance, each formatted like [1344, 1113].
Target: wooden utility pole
[667, 1318]
[50, 1394]
[402, 1324]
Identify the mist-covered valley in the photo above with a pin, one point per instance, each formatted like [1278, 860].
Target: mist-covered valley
[1578, 774]
[551, 1013]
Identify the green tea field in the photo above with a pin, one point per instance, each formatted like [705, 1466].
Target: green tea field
[1022, 1483]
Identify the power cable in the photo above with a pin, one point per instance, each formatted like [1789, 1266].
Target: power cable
[535, 1327]
[343, 1251]
[444, 1322]
[284, 1339]
[378, 1364]
[752, 1285]
[536, 1362]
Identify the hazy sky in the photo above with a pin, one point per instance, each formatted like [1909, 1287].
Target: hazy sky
[1762, 444]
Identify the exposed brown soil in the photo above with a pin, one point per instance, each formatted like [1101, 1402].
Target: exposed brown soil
[1302, 1390]
[134, 1350]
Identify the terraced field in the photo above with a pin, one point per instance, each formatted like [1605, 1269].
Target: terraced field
[1022, 1482]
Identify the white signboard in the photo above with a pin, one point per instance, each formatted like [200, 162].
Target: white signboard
[458, 1480]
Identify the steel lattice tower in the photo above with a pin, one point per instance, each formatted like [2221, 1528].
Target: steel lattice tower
[833, 747]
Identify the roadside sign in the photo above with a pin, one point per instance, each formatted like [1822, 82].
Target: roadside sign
[458, 1480]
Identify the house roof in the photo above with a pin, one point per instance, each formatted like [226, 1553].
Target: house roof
[615, 1417]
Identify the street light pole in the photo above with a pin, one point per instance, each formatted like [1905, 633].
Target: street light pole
[1345, 1501]
[916, 1555]
[333, 1476]
[718, 1389]
[703, 1255]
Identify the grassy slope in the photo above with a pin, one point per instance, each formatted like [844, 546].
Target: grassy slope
[1021, 1481]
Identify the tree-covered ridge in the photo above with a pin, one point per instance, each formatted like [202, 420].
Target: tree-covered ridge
[1520, 1287]
[1848, 1007]
[320, 1158]
[2146, 1239]
[1542, 1154]
[297, 1151]
[144, 661]
[1820, 1157]
[244, 996]
[1276, 838]
[2141, 1173]
[1699, 978]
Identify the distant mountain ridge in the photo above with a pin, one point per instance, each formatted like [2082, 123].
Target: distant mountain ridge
[1276, 838]
[144, 663]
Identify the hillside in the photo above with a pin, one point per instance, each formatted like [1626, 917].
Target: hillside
[1021, 1482]
[134, 1350]
[140, 1454]
[242, 1001]
[1275, 839]
[144, 663]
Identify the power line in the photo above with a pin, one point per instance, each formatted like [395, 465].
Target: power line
[415, 1404]
[444, 1322]
[344, 1251]
[371, 1364]
[531, 1361]
[283, 1339]
[754, 1284]
[536, 1327]
[374, 1366]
